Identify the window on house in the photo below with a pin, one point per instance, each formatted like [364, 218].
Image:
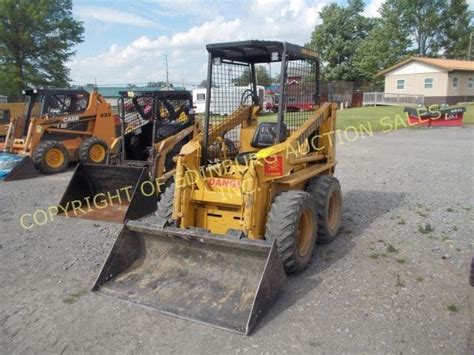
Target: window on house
[400, 84]
[455, 82]
[470, 83]
[201, 97]
[428, 83]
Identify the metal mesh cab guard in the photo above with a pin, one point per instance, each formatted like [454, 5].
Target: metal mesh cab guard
[232, 82]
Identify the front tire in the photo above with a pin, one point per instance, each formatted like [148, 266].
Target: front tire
[327, 194]
[93, 151]
[292, 223]
[165, 205]
[50, 157]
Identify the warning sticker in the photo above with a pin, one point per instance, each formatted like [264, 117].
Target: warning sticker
[274, 166]
[224, 182]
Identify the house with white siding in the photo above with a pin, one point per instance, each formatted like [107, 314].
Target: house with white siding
[438, 80]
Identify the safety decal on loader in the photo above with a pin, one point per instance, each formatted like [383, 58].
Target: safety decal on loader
[224, 182]
[274, 166]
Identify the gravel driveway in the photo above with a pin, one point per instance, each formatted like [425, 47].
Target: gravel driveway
[395, 280]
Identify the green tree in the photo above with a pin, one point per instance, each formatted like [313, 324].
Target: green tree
[36, 41]
[423, 20]
[457, 27]
[263, 78]
[337, 38]
[423, 28]
[386, 44]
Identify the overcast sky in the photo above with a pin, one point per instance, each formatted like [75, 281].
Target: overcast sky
[126, 41]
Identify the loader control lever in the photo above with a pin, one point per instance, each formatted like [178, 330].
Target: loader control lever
[249, 93]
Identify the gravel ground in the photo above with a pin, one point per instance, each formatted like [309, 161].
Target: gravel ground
[386, 285]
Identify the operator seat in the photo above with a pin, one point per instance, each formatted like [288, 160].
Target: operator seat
[265, 136]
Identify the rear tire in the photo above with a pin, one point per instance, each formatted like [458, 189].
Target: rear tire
[292, 223]
[326, 192]
[50, 157]
[93, 151]
[165, 205]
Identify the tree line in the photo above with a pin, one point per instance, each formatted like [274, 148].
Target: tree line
[37, 39]
[354, 47]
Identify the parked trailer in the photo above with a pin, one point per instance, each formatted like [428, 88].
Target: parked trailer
[233, 96]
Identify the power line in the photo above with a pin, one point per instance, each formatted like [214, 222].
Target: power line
[167, 78]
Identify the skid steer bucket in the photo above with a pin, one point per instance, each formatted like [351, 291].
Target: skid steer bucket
[15, 167]
[108, 193]
[224, 282]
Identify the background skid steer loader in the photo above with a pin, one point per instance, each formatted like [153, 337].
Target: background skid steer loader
[155, 125]
[250, 199]
[8, 110]
[59, 126]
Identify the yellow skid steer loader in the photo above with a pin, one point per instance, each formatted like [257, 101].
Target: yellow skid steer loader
[251, 197]
[154, 127]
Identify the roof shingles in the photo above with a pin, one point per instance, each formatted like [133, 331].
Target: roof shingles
[445, 64]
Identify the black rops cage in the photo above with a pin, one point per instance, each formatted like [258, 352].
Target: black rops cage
[39, 102]
[232, 82]
[150, 116]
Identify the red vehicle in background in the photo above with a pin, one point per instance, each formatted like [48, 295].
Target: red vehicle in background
[293, 105]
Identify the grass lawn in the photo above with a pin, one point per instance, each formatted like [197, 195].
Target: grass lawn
[371, 118]
[374, 118]
[382, 118]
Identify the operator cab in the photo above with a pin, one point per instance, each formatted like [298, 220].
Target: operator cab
[232, 93]
[148, 117]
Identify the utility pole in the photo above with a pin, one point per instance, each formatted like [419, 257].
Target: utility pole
[167, 79]
[470, 47]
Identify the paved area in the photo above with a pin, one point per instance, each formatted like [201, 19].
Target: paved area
[395, 280]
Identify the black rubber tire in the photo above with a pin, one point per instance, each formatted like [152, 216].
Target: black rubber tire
[169, 162]
[283, 224]
[39, 157]
[85, 147]
[165, 205]
[321, 188]
[471, 278]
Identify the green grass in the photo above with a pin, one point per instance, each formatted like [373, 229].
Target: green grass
[372, 118]
[469, 114]
[401, 260]
[382, 118]
[392, 249]
[74, 296]
[367, 120]
[374, 255]
[452, 307]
